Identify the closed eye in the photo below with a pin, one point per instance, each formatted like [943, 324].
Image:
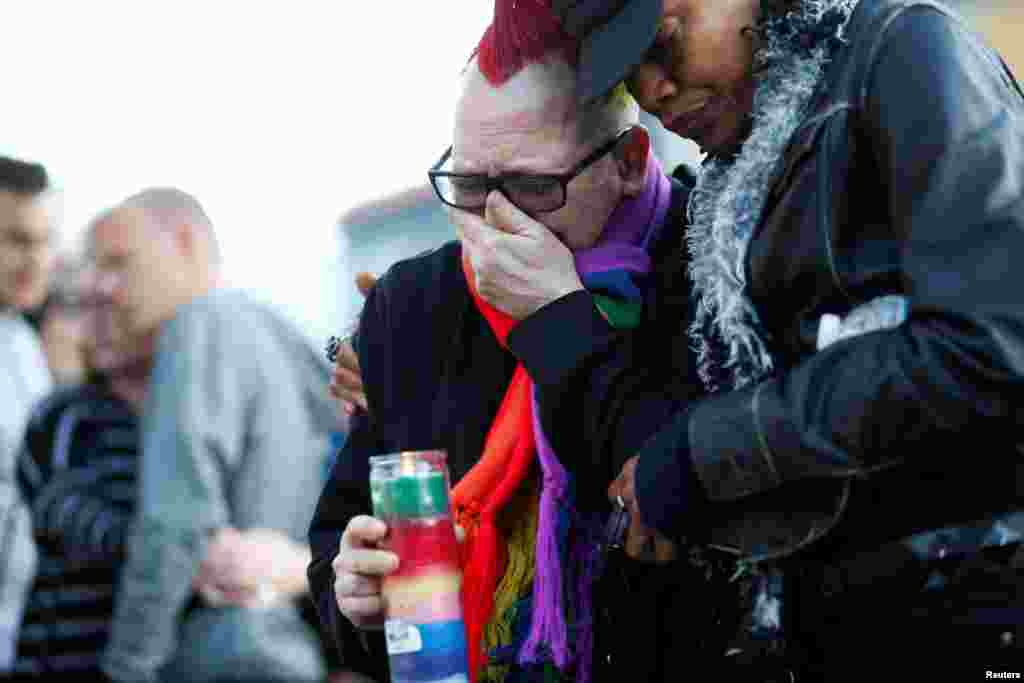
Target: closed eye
[468, 184]
[537, 185]
[660, 51]
[656, 54]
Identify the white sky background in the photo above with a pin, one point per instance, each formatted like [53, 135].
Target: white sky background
[277, 115]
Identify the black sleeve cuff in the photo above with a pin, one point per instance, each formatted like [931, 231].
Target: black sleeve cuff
[555, 340]
[668, 491]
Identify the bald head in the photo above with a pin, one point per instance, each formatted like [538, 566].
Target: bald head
[154, 252]
[169, 208]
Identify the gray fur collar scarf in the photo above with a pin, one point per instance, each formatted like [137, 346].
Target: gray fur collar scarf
[726, 204]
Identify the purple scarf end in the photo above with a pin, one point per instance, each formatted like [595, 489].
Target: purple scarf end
[547, 628]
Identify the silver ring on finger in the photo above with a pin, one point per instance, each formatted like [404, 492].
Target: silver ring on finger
[350, 585]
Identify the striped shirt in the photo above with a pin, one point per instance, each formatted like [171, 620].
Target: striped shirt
[77, 474]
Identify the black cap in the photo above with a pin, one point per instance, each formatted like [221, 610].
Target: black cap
[613, 36]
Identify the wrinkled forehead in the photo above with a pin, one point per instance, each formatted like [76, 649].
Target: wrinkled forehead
[537, 104]
[492, 114]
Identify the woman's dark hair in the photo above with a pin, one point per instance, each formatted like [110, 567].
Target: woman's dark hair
[797, 29]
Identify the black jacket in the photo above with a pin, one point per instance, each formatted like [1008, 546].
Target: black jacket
[435, 375]
[907, 178]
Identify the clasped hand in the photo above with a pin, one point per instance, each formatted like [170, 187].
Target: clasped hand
[642, 543]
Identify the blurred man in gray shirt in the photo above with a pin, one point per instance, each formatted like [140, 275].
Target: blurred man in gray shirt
[234, 431]
[26, 257]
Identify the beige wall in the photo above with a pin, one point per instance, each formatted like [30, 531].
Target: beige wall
[1005, 29]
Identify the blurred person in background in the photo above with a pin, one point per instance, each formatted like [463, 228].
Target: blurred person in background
[233, 434]
[59, 322]
[26, 246]
[78, 474]
[462, 383]
[26, 260]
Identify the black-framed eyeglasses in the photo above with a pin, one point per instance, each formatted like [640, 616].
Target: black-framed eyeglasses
[533, 193]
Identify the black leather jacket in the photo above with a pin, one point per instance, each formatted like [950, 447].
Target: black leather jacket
[906, 179]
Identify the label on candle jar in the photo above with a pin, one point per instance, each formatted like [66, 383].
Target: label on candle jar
[403, 638]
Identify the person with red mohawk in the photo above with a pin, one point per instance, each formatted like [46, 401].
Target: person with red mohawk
[541, 600]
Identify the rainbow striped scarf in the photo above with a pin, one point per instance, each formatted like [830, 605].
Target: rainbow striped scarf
[544, 540]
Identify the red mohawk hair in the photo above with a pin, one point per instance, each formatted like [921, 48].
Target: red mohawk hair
[522, 32]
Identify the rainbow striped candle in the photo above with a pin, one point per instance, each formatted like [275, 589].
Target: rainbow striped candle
[426, 637]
